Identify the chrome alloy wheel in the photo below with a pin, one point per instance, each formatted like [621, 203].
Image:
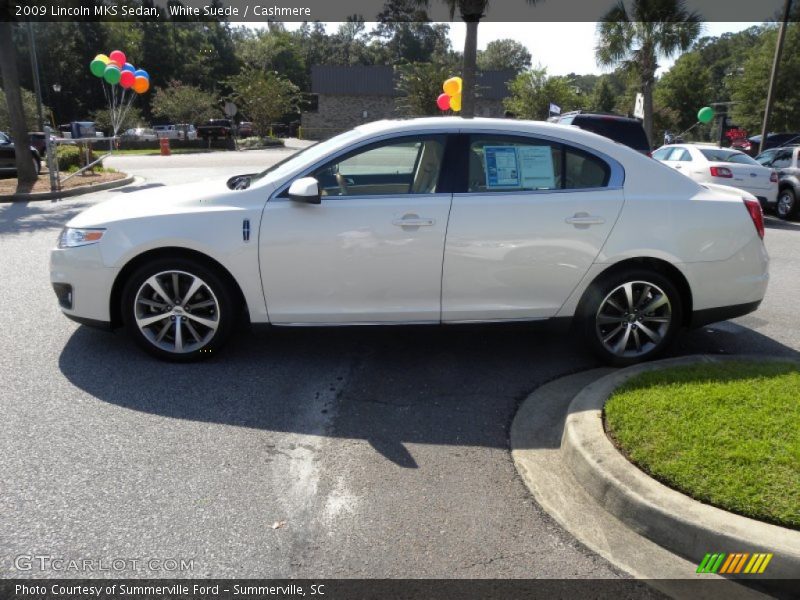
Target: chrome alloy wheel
[176, 311]
[785, 204]
[633, 318]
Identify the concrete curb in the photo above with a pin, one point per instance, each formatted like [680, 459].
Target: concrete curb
[670, 519]
[110, 185]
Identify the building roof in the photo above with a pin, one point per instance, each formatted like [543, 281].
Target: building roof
[380, 80]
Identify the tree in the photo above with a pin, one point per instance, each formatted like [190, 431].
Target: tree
[533, 91]
[26, 172]
[637, 38]
[264, 97]
[685, 88]
[504, 55]
[407, 35]
[419, 84]
[603, 98]
[182, 103]
[28, 106]
[749, 87]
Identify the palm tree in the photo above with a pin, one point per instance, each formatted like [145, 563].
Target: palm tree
[636, 38]
[26, 174]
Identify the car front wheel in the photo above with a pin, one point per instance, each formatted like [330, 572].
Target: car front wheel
[178, 309]
[787, 207]
[631, 316]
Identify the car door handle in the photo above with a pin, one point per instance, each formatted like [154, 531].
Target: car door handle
[579, 219]
[414, 221]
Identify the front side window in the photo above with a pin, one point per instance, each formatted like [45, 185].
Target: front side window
[662, 153]
[408, 166]
[505, 163]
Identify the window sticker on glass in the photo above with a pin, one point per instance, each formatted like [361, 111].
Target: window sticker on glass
[536, 167]
[501, 166]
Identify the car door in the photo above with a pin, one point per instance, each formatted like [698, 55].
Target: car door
[371, 251]
[533, 216]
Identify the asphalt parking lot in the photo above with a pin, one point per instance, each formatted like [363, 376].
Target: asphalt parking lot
[366, 452]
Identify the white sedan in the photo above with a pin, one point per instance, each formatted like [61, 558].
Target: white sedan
[437, 220]
[723, 166]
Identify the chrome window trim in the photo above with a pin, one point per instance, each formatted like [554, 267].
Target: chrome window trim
[616, 179]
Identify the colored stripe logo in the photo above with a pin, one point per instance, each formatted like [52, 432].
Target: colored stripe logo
[735, 563]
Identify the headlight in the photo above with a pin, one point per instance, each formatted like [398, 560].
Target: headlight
[71, 238]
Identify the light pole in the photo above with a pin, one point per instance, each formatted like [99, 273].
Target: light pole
[773, 78]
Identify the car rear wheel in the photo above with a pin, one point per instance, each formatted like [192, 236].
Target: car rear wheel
[787, 207]
[178, 309]
[631, 316]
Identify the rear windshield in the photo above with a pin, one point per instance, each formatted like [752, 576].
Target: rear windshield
[725, 155]
[630, 133]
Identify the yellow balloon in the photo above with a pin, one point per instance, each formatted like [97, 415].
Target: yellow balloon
[455, 102]
[103, 58]
[452, 86]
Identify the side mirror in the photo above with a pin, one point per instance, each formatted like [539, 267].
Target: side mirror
[305, 189]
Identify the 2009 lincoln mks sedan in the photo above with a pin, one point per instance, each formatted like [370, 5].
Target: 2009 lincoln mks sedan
[438, 220]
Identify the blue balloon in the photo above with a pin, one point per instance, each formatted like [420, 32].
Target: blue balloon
[142, 73]
[129, 67]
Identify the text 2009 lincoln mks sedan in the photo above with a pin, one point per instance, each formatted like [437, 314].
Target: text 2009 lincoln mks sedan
[438, 220]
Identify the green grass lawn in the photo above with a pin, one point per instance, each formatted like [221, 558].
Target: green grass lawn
[727, 434]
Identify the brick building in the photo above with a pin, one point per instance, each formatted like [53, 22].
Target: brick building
[346, 96]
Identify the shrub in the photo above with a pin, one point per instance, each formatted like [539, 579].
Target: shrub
[72, 157]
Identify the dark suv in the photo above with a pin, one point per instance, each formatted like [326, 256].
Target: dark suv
[624, 130]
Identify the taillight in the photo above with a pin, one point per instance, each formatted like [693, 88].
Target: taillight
[754, 208]
[773, 177]
[721, 172]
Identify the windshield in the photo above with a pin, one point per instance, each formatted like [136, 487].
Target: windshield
[726, 155]
[310, 154]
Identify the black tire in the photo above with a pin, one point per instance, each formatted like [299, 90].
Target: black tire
[787, 207]
[213, 303]
[647, 286]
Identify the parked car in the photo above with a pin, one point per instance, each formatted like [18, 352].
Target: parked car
[433, 220]
[786, 161]
[140, 134]
[8, 160]
[624, 130]
[185, 131]
[38, 141]
[773, 141]
[723, 166]
[216, 128]
[246, 129]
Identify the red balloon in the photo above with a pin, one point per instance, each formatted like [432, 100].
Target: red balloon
[127, 79]
[443, 102]
[118, 57]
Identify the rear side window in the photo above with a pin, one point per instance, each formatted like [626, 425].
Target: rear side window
[725, 155]
[679, 155]
[506, 163]
[624, 131]
[783, 160]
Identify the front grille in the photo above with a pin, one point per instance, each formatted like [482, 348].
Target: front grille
[64, 294]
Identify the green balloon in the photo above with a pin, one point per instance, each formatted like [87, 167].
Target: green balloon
[111, 74]
[98, 68]
[705, 114]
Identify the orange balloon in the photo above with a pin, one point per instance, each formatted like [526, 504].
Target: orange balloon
[141, 85]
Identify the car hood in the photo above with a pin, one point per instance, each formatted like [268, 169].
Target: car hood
[155, 200]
